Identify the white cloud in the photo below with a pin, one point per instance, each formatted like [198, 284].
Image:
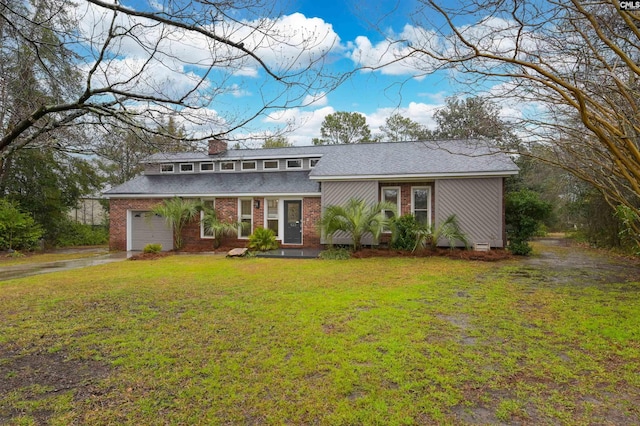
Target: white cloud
[238, 92]
[246, 72]
[419, 112]
[395, 55]
[318, 100]
[305, 124]
[289, 43]
[149, 78]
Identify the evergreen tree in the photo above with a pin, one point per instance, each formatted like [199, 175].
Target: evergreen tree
[344, 127]
[398, 129]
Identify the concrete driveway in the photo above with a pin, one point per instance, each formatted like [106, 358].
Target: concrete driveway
[28, 269]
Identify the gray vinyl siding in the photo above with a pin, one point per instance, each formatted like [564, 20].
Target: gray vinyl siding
[338, 193]
[477, 203]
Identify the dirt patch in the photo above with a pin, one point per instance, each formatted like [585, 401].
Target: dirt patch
[38, 376]
[150, 256]
[559, 260]
[486, 256]
[160, 255]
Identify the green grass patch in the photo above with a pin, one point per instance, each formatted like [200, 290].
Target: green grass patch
[208, 340]
[39, 258]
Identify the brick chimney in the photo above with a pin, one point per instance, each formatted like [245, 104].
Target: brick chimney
[217, 146]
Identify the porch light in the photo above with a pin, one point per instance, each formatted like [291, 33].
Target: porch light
[257, 204]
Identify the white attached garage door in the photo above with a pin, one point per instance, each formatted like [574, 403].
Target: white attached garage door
[148, 228]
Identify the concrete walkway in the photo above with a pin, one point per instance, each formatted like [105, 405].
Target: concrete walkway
[306, 253]
[20, 271]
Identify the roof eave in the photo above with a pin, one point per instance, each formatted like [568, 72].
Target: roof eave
[217, 195]
[417, 176]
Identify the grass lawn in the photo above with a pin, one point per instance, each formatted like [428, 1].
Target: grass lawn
[209, 340]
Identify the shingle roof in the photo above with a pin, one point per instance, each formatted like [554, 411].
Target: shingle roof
[433, 158]
[209, 184]
[357, 161]
[429, 158]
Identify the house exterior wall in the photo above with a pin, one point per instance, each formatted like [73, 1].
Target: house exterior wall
[478, 205]
[311, 212]
[118, 218]
[227, 209]
[405, 195]
[338, 193]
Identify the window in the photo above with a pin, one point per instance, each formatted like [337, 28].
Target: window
[245, 217]
[248, 165]
[208, 204]
[270, 164]
[313, 162]
[206, 167]
[186, 168]
[272, 215]
[166, 168]
[391, 194]
[421, 204]
[294, 164]
[228, 166]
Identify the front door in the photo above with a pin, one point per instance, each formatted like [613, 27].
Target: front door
[293, 222]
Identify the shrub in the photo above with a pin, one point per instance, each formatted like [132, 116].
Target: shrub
[403, 230]
[219, 228]
[71, 233]
[335, 254]
[15, 255]
[152, 248]
[177, 212]
[263, 239]
[449, 229]
[356, 218]
[17, 230]
[524, 212]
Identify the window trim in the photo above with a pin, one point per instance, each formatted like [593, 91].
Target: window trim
[311, 160]
[202, 234]
[233, 164]
[213, 167]
[173, 168]
[255, 165]
[264, 162]
[193, 168]
[278, 214]
[241, 216]
[398, 201]
[294, 159]
[429, 207]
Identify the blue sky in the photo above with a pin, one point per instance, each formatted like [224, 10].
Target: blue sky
[355, 32]
[374, 94]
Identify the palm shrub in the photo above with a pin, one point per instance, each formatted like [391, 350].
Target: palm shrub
[263, 239]
[356, 218]
[449, 229]
[403, 232]
[177, 212]
[218, 228]
[152, 248]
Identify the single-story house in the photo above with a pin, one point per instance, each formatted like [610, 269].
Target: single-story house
[286, 189]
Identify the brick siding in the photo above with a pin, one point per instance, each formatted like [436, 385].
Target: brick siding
[405, 195]
[118, 218]
[311, 211]
[227, 209]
